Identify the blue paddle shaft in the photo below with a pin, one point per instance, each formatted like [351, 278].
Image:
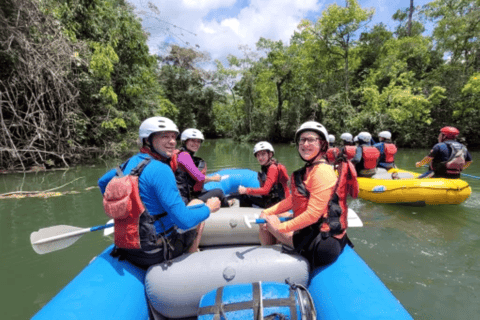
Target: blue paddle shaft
[102, 227]
[282, 219]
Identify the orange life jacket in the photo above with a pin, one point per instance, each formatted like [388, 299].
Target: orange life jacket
[332, 154]
[134, 228]
[335, 222]
[370, 157]
[390, 150]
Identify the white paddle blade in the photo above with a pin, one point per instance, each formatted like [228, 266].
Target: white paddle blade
[354, 220]
[55, 238]
[109, 231]
[225, 177]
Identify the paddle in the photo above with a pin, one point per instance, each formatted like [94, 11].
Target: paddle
[353, 220]
[110, 230]
[59, 237]
[461, 173]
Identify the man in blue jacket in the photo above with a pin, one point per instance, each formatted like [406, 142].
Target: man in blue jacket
[157, 188]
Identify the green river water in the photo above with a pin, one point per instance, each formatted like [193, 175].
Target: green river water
[427, 256]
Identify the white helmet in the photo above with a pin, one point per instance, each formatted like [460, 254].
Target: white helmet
[355, 139]
[191, 134]
[331, 138]
[346, 137]
[365, 137]
[385, 134]
[156, 124]
[263, 145]
[312, 126]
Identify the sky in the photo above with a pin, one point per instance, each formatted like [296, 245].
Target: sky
[220, 26]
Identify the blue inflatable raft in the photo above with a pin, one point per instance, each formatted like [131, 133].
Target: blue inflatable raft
[111, 289]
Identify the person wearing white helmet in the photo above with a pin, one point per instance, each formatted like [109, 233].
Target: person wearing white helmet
[147, 218]
[347, 139]
[366, 157]
[333, 151]
[191, 170]
[273, 179]
[387, 150]
[348, 145]
[318, 229]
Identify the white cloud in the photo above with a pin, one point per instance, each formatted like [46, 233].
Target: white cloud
[207, 4]
[272, 19]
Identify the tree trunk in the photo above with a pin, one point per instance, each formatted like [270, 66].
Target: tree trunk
[410, 14]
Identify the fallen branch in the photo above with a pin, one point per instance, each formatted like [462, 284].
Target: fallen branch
[3, 195]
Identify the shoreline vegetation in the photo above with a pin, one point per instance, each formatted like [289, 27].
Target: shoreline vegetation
[77, 79]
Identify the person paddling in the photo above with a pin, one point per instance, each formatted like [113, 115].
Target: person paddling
[146, 204]
[448, 157]
[318, 228]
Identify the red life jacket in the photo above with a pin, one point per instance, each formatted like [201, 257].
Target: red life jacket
[349, 151]
[390, 150]
[134, 228]
[332, 154]
[335, 221]
[370, 157]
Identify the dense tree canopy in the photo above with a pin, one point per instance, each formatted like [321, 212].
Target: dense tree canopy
[77, 76]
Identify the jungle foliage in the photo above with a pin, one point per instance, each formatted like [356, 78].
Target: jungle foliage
[78, 79]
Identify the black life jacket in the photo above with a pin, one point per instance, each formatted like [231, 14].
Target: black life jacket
[182, 177]
[134, 226]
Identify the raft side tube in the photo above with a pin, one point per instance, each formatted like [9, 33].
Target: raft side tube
[349, 289]
[104, 289]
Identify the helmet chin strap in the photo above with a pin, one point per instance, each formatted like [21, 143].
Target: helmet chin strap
[162, 154]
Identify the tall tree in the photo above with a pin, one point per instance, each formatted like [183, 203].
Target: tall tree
[337, 27]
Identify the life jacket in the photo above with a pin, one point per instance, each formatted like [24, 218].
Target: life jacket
[181, 176]
[390, 150]
[134, 226]
[202, 167]
[349, 151]
[370, 157]
[454, 165]
[332, 154]
[335, 222]
[279, 190]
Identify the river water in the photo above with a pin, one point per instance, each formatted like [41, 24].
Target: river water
[427, 256]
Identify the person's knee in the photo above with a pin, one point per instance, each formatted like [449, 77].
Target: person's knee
[195, 202]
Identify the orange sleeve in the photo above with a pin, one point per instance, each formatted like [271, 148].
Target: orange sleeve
[281, 207]
[272, 176]
[320, 183]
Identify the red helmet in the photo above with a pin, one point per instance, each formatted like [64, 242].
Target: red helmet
[450, 132]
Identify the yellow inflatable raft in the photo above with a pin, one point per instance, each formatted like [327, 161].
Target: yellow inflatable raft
[381, 188]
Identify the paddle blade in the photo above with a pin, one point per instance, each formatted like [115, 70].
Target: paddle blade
[110, 230]
[354, 220]
[62, 236]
